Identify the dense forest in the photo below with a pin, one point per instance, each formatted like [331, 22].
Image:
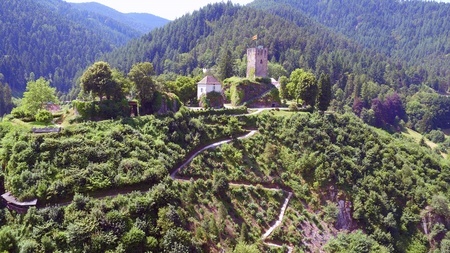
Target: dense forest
[308, 45]
[52, 39]
[413, 32]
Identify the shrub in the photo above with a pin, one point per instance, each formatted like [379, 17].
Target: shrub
[44, 116]
[134, 240]
[436, 136]
[21, 113]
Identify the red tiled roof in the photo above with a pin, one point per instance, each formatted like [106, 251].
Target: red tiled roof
[209, 80]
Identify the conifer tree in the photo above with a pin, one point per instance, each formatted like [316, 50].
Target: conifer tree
[225, 67]
[324, 96]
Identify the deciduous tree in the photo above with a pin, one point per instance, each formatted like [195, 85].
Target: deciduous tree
[38, 93]
[141, 75]
[305, 86]
[98, 80]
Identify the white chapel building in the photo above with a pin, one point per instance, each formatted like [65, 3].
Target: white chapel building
[207, 85]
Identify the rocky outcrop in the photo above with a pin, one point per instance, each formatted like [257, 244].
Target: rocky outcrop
[344, 219]
[166, 102]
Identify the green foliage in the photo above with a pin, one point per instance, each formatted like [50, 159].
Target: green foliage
[331, 212]
[387, 28]
[58, 46]
[242, 247]
[185, 88]
[6, 104]
[440, 205]
[225, 65]
[303, 86]
[98, 80]
[101, 110]
[21, 113]
[237, 95]
[134, 240]
[113, 154]
[436, 136]
[427, 111]
[141, 75]
[283, 87]
[276, 70]
[37, 95]
[8, 242]
[324, 95]
[44, 116]
[354, 242]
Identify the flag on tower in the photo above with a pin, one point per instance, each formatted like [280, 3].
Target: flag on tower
[255, 37]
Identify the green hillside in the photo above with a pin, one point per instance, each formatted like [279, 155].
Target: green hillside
[53, 40]
[227, 197]
[413, 32]
[220, 27]
[141, 22]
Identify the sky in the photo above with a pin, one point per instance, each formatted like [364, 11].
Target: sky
[169, 9]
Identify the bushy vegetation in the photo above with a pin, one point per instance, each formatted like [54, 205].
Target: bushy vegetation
[104, 155]
[389, 181]
[150, 222]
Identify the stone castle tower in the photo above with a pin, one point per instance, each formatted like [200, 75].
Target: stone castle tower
[257, 59]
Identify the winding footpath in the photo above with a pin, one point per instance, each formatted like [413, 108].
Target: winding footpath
[269, 231]
[283, 208]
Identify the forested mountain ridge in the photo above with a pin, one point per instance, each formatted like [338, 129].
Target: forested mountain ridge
[301, 44]
[142, 22]
[414, 32]
[52, 39]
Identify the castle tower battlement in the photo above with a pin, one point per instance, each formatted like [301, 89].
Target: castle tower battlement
[257, 62]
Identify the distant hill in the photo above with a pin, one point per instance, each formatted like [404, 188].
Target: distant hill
[414, 32]
[52, 39]
[142, 22]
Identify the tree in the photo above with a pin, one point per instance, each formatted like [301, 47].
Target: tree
[186, 88]
[305, 86]
[8, 242]
[5, 99]
[37, 94]
[141, 75]
[276, 70]
[225, 66]
[98, 80]
[324, 95]
[283, 89]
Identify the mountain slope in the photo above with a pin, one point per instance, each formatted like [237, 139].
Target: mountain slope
[53, 40]
[142, 22]
[303, 44]
[415, 32]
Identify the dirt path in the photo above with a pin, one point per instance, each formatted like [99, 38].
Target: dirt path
[283, 208]
[214, 145]
[116, 192]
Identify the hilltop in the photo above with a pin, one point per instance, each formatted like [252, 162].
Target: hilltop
[142, 22]
[332, 172]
